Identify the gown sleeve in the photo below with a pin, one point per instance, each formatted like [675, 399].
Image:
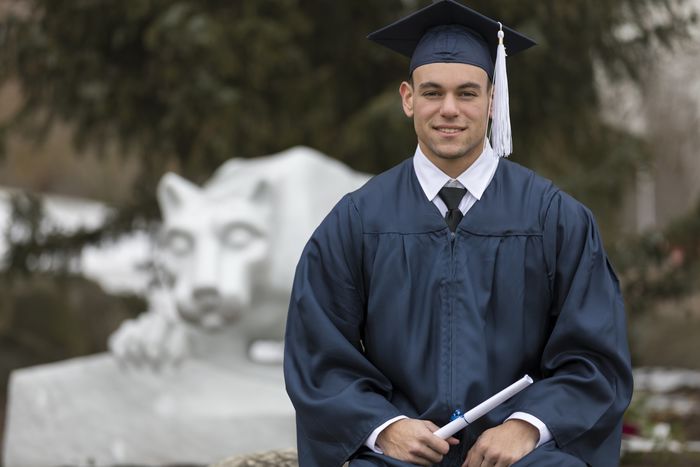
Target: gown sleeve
[587, 379]
[339, 396]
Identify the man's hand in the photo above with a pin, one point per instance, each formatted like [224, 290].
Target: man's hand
[503, 445]
[413, 441]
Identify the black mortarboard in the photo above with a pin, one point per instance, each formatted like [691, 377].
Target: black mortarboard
[448, 31]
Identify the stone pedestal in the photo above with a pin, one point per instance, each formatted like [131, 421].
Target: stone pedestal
[89, 411]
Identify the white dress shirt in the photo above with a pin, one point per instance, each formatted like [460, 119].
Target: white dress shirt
[475, 179]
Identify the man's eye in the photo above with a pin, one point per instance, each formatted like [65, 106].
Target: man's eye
[431, 94]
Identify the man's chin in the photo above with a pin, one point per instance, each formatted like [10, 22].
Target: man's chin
[452, 155]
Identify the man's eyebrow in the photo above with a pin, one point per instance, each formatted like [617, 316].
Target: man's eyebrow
[428, 84]
[470, 85]
[434, 85]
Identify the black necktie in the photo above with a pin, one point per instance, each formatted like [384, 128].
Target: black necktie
[451, 196]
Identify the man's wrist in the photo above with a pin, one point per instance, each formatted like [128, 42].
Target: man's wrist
[544, 433]
[371, 441]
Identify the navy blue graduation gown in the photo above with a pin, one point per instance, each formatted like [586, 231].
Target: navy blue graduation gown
[390, 315]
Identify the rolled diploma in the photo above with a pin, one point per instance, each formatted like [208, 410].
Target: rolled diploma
[482, 409]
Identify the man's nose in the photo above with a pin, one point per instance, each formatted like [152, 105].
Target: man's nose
[449, 106]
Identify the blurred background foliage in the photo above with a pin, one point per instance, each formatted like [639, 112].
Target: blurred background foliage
[145, 86]
[139, 87]
[185, 85]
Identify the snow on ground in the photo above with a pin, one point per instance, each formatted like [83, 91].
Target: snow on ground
[113, 265]
[665, 380]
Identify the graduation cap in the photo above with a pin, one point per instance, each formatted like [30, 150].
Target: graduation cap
[449, 32]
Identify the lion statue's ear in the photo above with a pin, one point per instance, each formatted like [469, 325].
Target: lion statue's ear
[173, 192]
[262, 191]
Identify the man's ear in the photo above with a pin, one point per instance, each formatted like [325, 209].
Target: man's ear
[406, 91]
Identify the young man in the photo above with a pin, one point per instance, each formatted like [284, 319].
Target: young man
[448, 277]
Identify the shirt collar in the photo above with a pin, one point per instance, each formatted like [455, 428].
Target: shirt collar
[475, 179]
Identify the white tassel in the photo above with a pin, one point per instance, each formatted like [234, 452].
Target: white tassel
[501, 136]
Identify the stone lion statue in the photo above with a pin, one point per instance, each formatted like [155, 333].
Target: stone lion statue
[226, 256]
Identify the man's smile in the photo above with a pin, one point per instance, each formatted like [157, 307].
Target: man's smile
[449, 130]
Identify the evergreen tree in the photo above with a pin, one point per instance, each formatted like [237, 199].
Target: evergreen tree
[188, 84]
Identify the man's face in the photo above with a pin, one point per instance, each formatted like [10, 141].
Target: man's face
[449, 103]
